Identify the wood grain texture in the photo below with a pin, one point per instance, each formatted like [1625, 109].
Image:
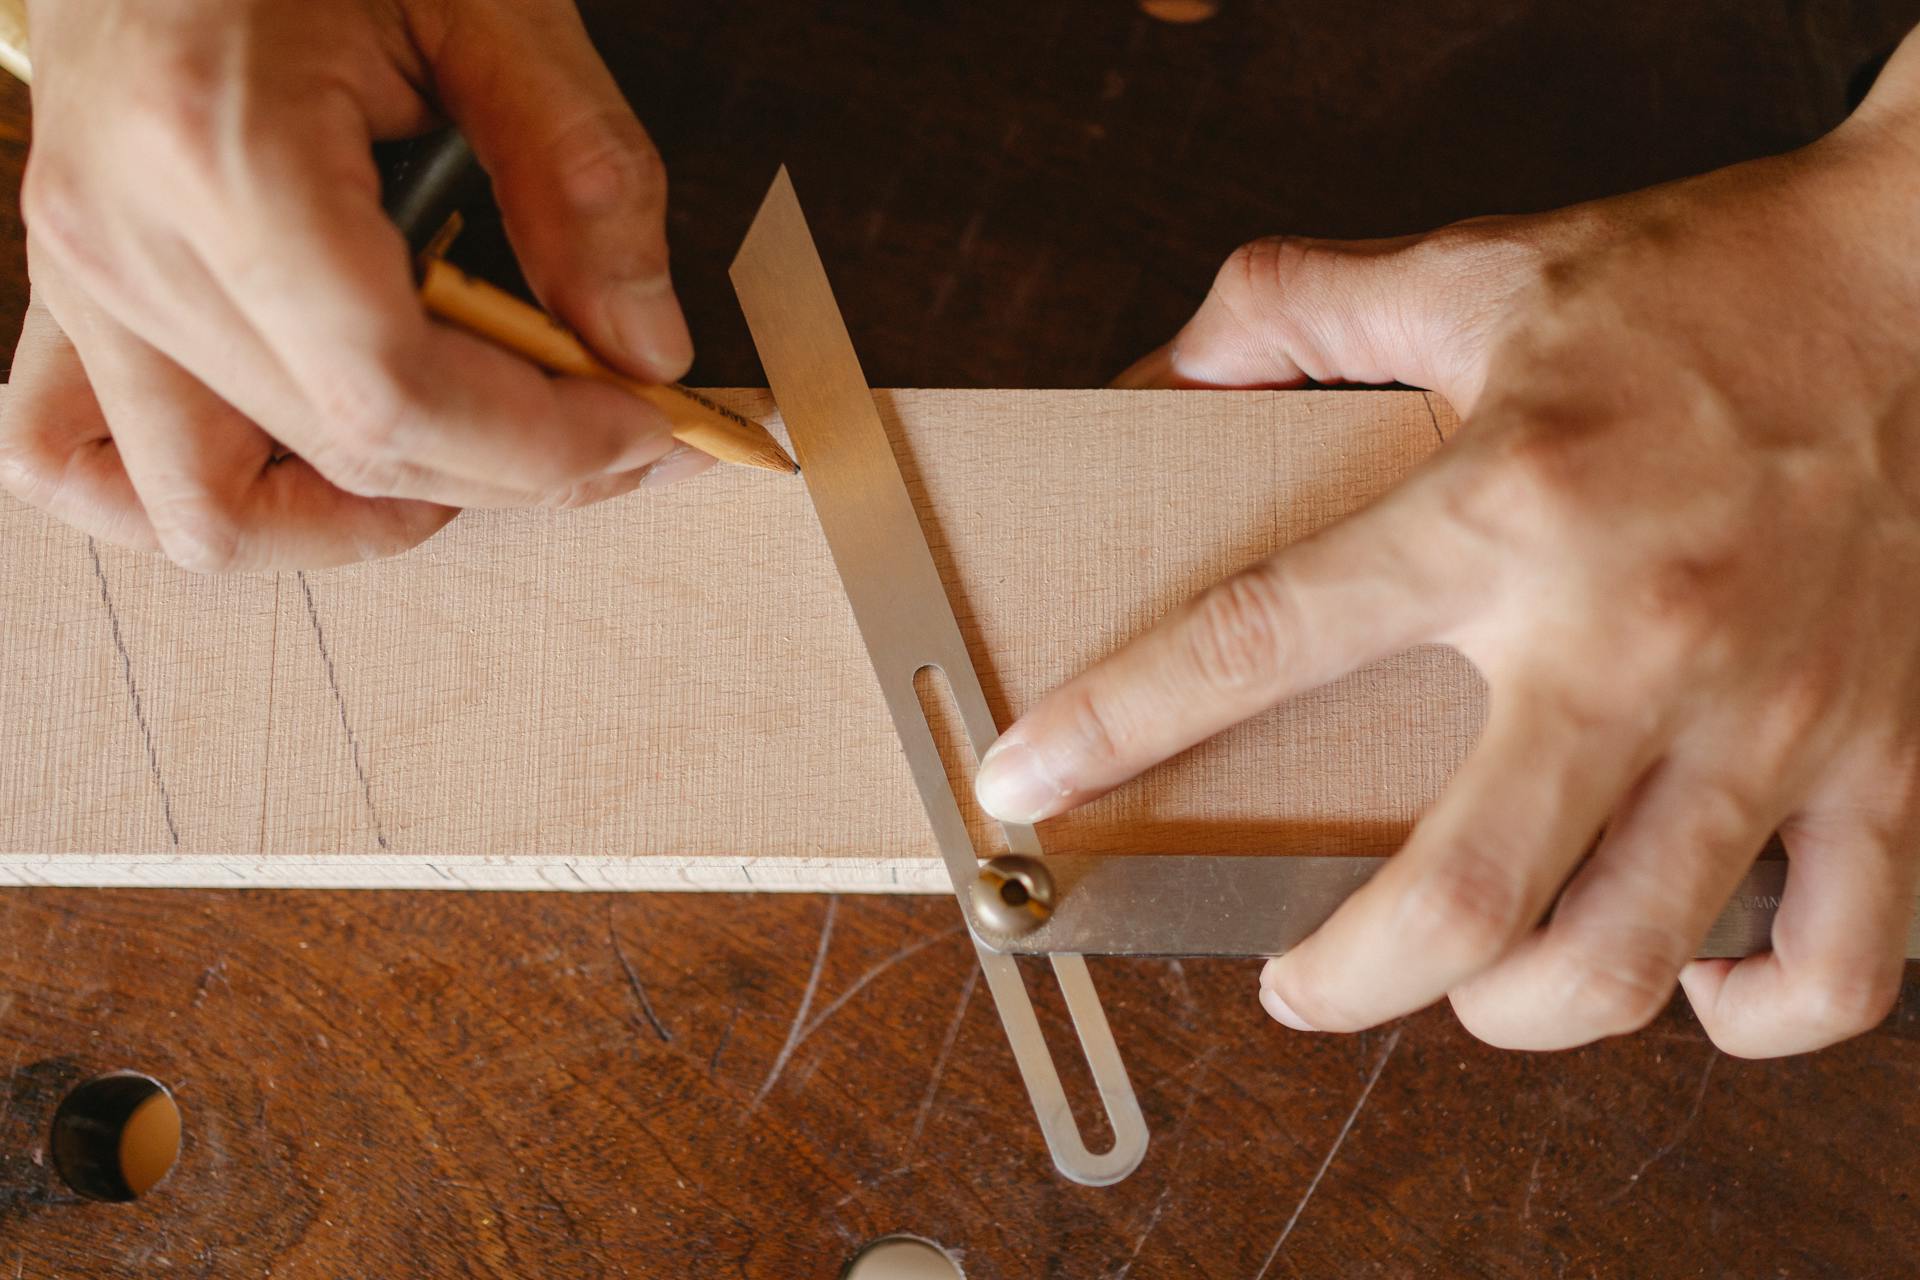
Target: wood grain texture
[557, 1087]
[669, 691]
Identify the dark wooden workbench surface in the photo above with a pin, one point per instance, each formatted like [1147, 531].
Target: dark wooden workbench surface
[565, 1085]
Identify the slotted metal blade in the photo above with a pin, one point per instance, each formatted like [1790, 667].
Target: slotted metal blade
[907, 624]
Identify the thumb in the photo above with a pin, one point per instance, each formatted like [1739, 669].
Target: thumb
[1418, 309]
[583, 190]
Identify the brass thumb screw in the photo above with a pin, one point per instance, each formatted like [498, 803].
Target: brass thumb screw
[1014, 895]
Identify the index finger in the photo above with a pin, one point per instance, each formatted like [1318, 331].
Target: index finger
[1366, 587]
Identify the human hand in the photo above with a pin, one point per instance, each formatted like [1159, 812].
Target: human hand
[225, 357]
[1679, 535]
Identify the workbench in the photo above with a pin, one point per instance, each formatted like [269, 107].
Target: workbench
[652, 1084]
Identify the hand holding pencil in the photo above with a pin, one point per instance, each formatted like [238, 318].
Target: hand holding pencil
[226, 359]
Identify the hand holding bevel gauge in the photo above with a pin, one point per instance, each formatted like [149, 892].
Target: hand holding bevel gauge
[1679, 534]
[261, 388]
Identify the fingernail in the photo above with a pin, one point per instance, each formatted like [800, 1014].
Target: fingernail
[682, 462]
[649, 327]
[1278, 1010]
[1014, 784]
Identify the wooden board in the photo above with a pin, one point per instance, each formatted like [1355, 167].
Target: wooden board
[667, 691]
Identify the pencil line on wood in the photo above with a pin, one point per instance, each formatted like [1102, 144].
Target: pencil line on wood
[340, 703]
[1426, 398]
[266, 751]
[133, 693]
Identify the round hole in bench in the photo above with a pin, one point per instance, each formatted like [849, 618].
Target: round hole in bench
[115, 1136]
[902, 1257]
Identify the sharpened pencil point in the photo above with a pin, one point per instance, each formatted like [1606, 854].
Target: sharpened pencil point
[457, 298]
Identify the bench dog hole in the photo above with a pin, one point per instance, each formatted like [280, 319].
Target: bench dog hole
[903, 1257]
[116, 1136]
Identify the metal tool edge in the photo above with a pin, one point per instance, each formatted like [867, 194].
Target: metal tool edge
[905, 619]
[1265, 905]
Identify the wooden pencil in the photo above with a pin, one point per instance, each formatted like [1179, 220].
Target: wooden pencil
[456, 297]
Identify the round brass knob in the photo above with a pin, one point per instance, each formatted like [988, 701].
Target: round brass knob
[1014, 895]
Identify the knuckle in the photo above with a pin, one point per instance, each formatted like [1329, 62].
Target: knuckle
[55, 203]
[176, 100]
[403, 528]
[366, 417]
[357, 474]
[1524, 485]
[604, 165]
[34, 458]
[1263, 264]
[1470, 908]
[1538, 470]
[570, 497]
[1582, 713]
[1793, 722]
[1098, 739]
[586, 493]
[1681, 594]
[198, 536]
[1622, 988]
[1687, 593]
[1265, 271]
[177, 114]
[1505, 250]
[1235, 643]
[1723, 807]
[1845, 1001]
[23, 472]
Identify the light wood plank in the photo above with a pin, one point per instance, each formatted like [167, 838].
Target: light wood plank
[667, 690]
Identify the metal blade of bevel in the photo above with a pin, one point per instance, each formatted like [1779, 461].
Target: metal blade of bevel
[906, 622]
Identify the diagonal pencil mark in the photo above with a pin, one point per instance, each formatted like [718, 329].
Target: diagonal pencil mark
[133, 693]
[340, 703]
[1339, 1140]
[1426, 398]
[266, 752]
